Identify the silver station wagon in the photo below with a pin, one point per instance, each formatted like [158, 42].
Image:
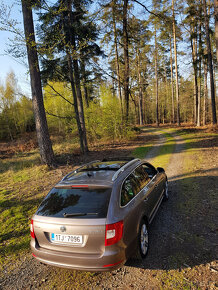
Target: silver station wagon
[97, 216]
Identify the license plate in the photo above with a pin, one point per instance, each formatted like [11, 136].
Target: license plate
[68, 239]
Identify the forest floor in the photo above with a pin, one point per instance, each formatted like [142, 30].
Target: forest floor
[183, 235]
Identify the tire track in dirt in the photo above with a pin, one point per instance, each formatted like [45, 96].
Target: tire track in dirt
[156, 147]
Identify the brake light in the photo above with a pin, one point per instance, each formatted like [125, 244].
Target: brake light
[32, 230]
[113, 233]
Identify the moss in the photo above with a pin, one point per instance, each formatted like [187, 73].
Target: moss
[175, 280]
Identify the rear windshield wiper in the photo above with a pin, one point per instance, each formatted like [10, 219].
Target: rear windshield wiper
[79, 214]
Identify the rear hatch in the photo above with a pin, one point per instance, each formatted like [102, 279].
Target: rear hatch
[73, 220]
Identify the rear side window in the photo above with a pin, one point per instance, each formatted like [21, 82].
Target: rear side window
[134, 183]
[141, 176]
[129, 189]
[87, 203]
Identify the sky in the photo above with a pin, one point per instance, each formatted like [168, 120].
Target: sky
[8, 63]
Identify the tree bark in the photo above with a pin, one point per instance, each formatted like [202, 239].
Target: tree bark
[44, 142]
[156, 77]
[176, 65]
[216, 26]
[194, 62]
[126, 59]
[77, 80]
[141, 117]
[116, 55]
[166, 96]
[84, 81]
[199, 68]
[69, 62]
[205, 94]
[172, 82]
[210, 64]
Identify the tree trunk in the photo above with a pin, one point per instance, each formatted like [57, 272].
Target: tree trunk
[166, 96]
[210, 64]
[199, 68]
[176, 65]
[205, 94]
[216, 26]
[44, 142]
[80, 103]
[194, 62]
[84, 81]
[172, 83]
[77, 79]
[141, 118]
[117, 56]
[156, 77]
[126, 59]
[69, 61]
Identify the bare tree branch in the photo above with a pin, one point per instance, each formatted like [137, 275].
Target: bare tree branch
[152, 13]
[60, 117]
[60, 94]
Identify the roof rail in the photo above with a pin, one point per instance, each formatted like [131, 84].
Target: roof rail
[118, 172]
[77, 170]
[118, 158]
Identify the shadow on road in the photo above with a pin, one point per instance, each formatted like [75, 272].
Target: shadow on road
[183, 233]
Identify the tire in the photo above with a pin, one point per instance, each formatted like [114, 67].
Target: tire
[166, 192]
[142, 241]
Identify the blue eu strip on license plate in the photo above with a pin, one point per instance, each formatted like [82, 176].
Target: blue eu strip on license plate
[52, 237]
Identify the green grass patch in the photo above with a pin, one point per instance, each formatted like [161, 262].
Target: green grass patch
[22, 182]
[163, 156]
[140, 152]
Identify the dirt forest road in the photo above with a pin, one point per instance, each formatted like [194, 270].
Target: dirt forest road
[183, 242]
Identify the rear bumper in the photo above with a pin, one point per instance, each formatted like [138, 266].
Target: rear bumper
[112, 259]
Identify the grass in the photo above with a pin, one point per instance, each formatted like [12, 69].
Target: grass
[23, 183]
[163, 156]
[140, 152]
[164, 153]
[175, 280]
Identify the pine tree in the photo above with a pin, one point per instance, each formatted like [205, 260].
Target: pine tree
[45, 147]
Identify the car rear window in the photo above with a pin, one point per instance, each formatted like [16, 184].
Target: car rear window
[60, 202]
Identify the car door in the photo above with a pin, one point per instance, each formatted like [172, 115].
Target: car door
[155, 184]
[136, 198]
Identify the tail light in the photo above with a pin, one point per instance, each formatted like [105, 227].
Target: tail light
[113, 233]
[32, 230]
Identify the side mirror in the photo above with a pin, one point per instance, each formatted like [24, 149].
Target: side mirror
[160, 169]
